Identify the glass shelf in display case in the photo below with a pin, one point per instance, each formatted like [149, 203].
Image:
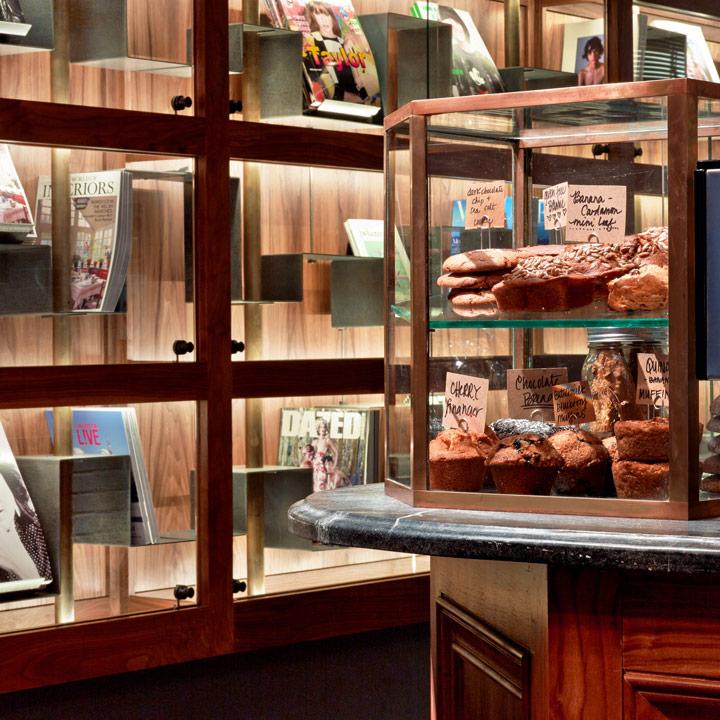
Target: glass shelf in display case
[524, 250]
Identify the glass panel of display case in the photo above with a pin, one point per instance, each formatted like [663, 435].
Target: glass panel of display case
[313, 261]
[309, 445]
[100, 520]
[398, 354]
[112, 273]
[129, 54]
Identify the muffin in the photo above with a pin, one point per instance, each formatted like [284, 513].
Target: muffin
[610, 444]
[586, 462]
[457, 460]
[525, 465]
[645, 440]
[640, 480]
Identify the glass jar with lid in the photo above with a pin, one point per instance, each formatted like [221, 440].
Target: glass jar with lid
[652, 341]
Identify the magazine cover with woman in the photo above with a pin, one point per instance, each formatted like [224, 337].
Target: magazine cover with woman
[338, 65]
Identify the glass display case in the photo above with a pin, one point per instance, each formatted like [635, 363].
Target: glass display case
[539, 300]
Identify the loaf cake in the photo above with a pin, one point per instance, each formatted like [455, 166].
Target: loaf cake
[645, 288]
[457, 460]
[641, 480]
[644, 440]
[585, 468]
[525, 465]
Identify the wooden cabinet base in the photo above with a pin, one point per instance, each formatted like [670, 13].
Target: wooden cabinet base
[517, 640]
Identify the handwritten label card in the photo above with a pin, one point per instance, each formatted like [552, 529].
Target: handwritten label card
[596, 213]
[572, 404]
[530, 392]
[485, 206]
[465, 404]
[556, 206]
[653, 381]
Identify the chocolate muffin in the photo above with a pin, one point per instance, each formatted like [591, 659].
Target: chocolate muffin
[644, 440]
[525, 465]
[586, 463]
[457, 460]
[640, 480]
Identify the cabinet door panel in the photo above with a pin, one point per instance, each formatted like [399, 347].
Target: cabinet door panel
[662, 697]
[481, 675]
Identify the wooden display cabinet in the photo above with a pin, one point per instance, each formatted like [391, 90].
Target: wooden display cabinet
[435, 150]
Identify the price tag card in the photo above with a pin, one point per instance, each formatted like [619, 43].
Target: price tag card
[653, 380]
[530, 392]
[465, 404]
[555, 199]
[572, 404]
[596, 213]
[485, 206]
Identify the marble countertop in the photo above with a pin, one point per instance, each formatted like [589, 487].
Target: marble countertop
[365, 517]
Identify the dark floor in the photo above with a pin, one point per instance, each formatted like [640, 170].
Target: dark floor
[373, 676]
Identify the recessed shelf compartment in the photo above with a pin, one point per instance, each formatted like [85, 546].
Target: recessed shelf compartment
[39, 15]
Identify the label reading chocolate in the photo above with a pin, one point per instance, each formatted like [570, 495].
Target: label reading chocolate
[485, 206]
[555, 200]
[572, 404]
[530, 392]
[653, 380]
[596, 213]
[465, 404]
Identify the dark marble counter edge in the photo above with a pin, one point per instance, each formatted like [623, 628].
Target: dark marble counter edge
[365, 517]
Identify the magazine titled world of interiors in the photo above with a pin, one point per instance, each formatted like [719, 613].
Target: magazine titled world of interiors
[24, 559]
[338, 66]
[114, 431]
[100, 233]
[340, 444]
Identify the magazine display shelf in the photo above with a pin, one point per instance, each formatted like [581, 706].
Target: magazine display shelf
[675, 122]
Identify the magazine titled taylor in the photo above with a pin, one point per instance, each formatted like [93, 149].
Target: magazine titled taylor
[339, 444]
[338, 65]
[101, 227]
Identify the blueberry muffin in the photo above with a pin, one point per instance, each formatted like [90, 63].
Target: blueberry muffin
[525, 465]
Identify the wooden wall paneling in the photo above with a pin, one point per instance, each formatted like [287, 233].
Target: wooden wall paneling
[667, 697]
[509, 597]
[157, 29]
[585, 642]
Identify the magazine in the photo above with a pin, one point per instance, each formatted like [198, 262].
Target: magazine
[24, 559]
[12, 19]
[15, 217]
[338, 66]
[699, 61]
[101, 233]
[340, 444]
[114, 431]
[474, 72]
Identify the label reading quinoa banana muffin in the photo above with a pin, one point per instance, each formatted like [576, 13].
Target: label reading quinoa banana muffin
[653, 380]
[530, 392]
[465, 404]
[573, 404]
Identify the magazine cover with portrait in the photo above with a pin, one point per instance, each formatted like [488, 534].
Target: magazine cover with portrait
[333, 442]
[338, 65]
[24, 558]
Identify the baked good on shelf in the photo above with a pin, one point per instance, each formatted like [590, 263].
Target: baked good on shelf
[543, 283]
[472, 303]
[504, 427]
[640, 480]
[534, 250]
[525, 465]
[711, 464]
[711, 483]
[650, 247]
[713, 424]
[600, 261]
[644, 288]
[586, 463]
[713, 444]
[646, 440]
[715, 406]
[610, 444]
[476, 281]
[613, 391]
[457, 459]
[477, 261]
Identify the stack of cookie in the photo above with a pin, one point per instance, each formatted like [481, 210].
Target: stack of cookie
[711, 464]
[469, 277]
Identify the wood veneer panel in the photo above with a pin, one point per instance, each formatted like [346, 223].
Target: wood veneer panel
[670, 626]
[305, 146]
[44, 386]
[42, 123]
[285, 378]
[666, 697]
[584, 646]
[328, 612]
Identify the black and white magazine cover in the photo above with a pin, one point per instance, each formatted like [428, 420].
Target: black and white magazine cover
[24, 558]
[12, 18]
